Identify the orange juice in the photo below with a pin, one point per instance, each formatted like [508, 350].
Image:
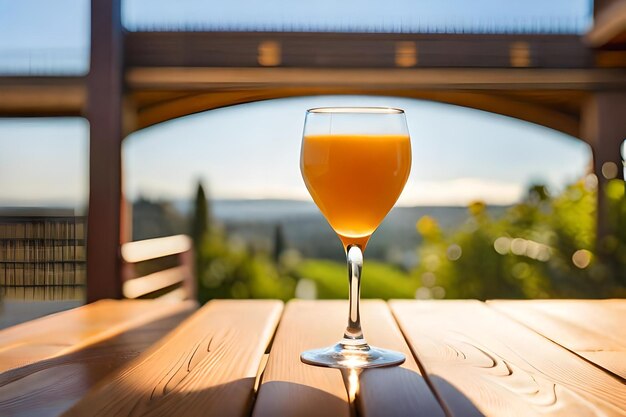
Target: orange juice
[355, 179]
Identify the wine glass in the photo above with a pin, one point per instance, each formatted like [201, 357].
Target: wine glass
[355, 162]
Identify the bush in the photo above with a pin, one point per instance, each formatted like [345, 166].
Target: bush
[230, 269]
[543, 247]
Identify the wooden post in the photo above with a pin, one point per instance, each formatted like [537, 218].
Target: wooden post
[604, 128]
[104, 111]
[600, 5]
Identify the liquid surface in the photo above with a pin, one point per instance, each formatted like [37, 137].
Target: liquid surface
[355, 179]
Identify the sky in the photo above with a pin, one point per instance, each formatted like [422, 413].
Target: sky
[44, 36]
[44, 162]
[389, 15]
[251, 151]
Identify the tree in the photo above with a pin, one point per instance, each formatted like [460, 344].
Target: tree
[279, 243]
[225, 268]
[201, 217]
[199, 233]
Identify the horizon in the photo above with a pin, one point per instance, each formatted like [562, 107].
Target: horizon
[178, 202]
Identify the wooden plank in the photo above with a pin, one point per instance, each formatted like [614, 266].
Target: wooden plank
[42, 96]
[144, 250]
[206, 367]
[71, 330]
[593, 329]
[446, 79]
[483, 363]
[291, 388]
[50, 387]
[395, 391]
[345, 50]
[138, 287]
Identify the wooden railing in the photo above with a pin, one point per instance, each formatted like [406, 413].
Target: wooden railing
[161, 267]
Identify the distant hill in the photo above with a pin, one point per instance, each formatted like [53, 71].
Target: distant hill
[306, 229]
[267, 210]
[262, 210]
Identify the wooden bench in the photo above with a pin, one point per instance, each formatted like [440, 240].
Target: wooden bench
[241, 358]
[176, 281]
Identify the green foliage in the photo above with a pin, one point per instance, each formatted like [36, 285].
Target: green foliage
[543, 247]
[613, 247]
[232, 270]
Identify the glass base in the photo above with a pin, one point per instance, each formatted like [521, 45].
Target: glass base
[343, 356]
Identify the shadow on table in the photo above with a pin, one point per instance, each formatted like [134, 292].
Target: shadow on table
[398, 391]
[51, 386]
[188, 398]
[278, 398]
[235, 398]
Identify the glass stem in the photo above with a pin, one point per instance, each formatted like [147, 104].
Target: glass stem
[353, 336]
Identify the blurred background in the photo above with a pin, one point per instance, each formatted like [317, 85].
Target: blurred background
[497, 206]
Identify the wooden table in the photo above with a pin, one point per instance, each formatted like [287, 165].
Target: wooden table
[241, 358]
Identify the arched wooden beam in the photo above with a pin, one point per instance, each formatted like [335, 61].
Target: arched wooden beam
[504, 103]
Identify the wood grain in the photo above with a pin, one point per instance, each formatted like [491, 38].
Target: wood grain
[481, 362]
[49, 387]
[593, 329]
[206, 367]
[291, 388]
[395, 391]
[68, 331]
